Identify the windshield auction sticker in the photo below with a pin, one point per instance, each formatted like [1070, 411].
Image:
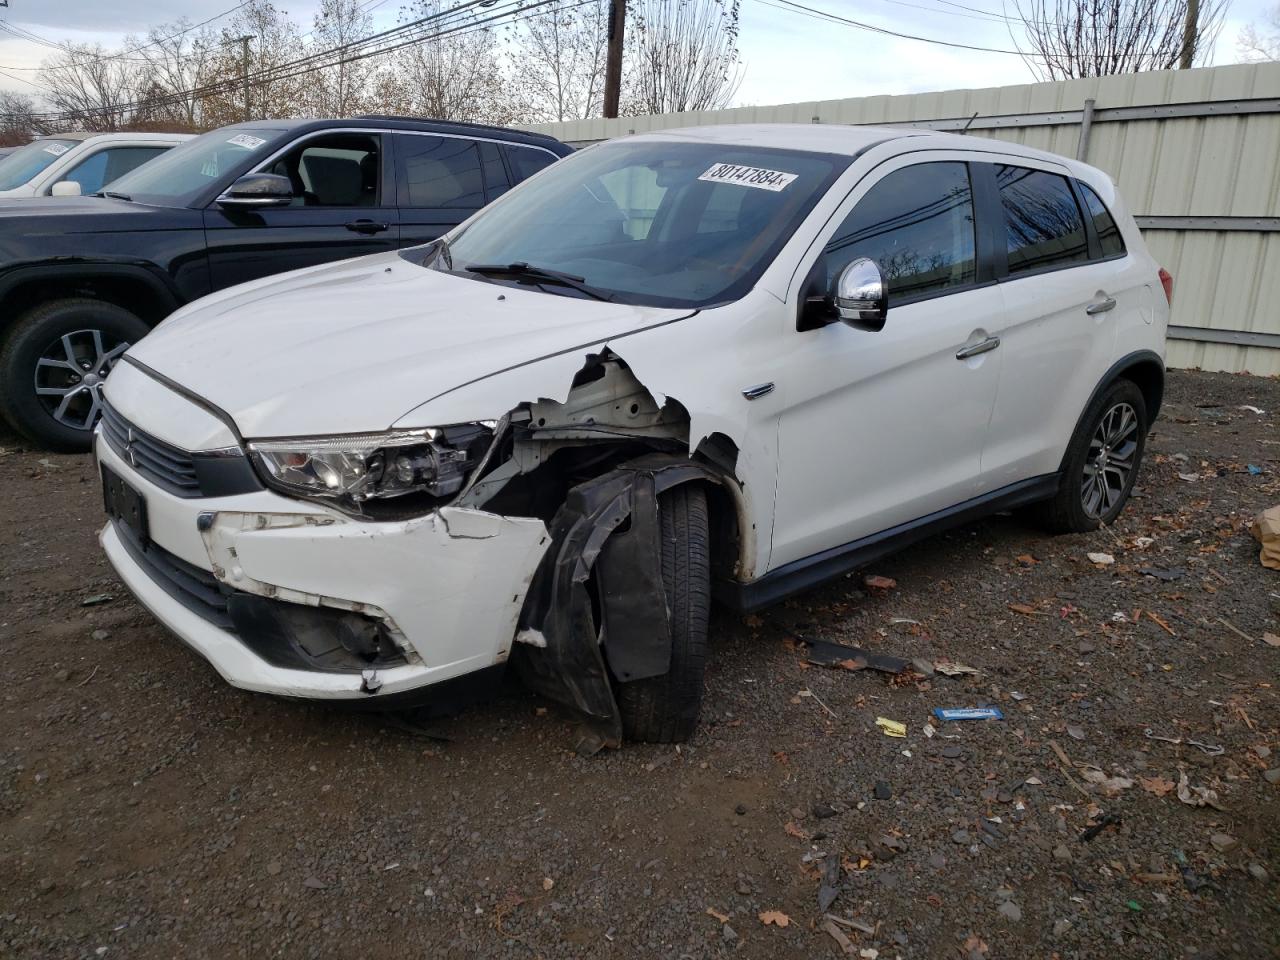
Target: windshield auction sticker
[57, 149]
[741, 176]
[246, 141]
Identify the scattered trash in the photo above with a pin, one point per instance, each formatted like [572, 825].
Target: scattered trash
[968, 713]
[1075, 732]
[1189, 477]
[1212, 749]
[1266, 530]
[923, 667]
[823, 653]
[879, 583]
[929, 730]
[829, 889]
[1110, 820]
[1249, 408]
[1254, 470]
[1101, 559]
[1143, 542]
[547, 883]
[891, 728]
[775, 917]
[1133, 905]
[1196, 796]
[949, 668]
[1109, 785]
[96, 599]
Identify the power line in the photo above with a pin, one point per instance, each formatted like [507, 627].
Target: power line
[792, 7]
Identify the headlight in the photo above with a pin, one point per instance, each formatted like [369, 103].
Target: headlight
[359, 467]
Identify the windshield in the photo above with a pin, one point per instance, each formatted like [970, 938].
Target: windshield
[660, 223]
[178, 177]
[23, 164]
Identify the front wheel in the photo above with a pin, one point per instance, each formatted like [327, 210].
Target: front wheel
[52, 366]
[665, 709]
[1102, 462]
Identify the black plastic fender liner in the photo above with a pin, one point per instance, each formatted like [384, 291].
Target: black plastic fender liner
[608, 525]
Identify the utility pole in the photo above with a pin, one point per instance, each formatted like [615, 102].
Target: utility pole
[244, 67]
[613, 58]
[1189, 30]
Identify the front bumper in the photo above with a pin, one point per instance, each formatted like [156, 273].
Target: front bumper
[448, 586]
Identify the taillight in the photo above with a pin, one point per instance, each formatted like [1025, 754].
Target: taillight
[1166, 281]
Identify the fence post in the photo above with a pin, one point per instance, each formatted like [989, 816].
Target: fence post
[1086, 125]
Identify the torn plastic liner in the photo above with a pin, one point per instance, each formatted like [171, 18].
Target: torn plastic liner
[609, 526]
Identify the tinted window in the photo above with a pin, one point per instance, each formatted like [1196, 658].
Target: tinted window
[525, 161]
[23, 164]
[1103, 223]
[107, 165]
[917, 225]
[440, 171]
[496, 182]
[1042, 222]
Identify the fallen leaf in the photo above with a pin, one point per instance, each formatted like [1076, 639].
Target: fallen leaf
[752, 620]
[1271, 640]
[775, 917]
[976, 945]
[1025, 609]
[795, 831]
[713, 912]
[1026, 559]
[1157, 785]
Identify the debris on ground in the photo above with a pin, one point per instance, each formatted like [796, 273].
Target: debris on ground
[949, 668]
[1101, 559]
[1194, 796]
[1266, 530]
[774, 917]
[823, 653]
[891, 728]
[97, 600]
[878, 583]
[968, 713]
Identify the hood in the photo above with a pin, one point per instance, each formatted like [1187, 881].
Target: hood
[353, 346]
[37, 228]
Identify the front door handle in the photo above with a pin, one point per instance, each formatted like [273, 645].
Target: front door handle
[367, 226]
[1100, 306]
[983, 346]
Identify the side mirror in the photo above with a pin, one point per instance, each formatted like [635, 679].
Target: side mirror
[860, 295]
[255, 190]
[65, 188]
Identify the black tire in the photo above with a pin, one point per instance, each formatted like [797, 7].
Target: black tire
[1067, 512]
[39, 333]
[665, 709]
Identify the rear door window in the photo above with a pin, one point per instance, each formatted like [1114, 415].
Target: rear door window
[1043, 225]
[439, 172]
[496, 181]
[526, 161]
[1104, 225]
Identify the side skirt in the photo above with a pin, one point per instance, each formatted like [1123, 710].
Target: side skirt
[810, 572]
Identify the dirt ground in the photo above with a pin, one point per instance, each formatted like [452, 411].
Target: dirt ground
[149, 810]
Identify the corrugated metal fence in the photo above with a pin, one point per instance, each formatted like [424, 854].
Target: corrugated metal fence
[1196, 154]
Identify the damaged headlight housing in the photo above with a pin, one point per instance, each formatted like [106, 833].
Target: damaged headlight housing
[432, 462]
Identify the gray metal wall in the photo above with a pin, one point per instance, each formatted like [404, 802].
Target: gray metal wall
[1196, 154]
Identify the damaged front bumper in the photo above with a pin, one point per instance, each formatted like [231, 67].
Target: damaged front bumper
[288, 598]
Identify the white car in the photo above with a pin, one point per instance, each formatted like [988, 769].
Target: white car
[71, 164]
[740, 360]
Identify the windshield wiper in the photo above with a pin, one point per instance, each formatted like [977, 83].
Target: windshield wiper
[526, 271]
[113, 195]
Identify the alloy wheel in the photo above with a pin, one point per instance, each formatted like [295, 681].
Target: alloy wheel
[1110, 460]
[69, 375]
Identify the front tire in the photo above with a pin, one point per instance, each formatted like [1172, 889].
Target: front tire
[1102, 462]
[52, 366]
[665, 709]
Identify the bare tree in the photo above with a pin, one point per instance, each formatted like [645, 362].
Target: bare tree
[19, 119]
[275, 89]
[683, 54]
[184, 63]
[97, 90]
[1257, 44]
[1064, 39]
[452, 74]
[556, 61]
[342, 89]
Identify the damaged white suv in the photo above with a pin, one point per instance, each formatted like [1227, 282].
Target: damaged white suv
[737, 360]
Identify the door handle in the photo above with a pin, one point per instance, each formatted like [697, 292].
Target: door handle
[367, 226]
[1100, 306]
[983, 346]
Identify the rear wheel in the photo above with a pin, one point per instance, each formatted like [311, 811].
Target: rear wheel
[52, 366]
[665, 709]
[1102, 462]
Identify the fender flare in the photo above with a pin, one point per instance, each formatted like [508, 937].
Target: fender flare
[88, 270]
[1127, 362]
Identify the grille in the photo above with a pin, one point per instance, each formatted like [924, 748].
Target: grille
[165, 465]
[195, 589]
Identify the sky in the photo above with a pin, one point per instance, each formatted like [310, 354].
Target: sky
[787, 56]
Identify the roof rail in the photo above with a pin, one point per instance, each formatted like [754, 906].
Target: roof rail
[455, 123]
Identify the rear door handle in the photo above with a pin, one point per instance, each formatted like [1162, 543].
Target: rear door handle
[982, 346]
[1100, 306]
[367, 226]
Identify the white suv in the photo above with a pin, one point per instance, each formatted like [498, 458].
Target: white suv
[71, 164]
[738, 360]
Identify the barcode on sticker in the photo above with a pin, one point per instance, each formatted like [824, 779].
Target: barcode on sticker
[57, 149]
[757, 177]
[244, 140]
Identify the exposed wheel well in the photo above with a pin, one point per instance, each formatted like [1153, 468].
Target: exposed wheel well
[129, 293]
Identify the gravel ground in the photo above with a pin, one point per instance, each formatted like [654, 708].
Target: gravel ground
[148, 810]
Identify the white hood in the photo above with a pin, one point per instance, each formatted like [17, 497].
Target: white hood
[351, 347]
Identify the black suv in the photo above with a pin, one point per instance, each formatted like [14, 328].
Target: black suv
[81, 279]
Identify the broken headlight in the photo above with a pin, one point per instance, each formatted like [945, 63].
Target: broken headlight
[366, 466]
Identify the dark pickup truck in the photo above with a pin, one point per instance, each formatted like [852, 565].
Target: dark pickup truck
[83, 278]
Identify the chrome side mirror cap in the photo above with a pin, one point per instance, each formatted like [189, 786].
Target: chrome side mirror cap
[861, 297]
[256, 190]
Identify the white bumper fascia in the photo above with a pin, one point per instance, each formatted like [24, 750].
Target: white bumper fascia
[450, 584]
